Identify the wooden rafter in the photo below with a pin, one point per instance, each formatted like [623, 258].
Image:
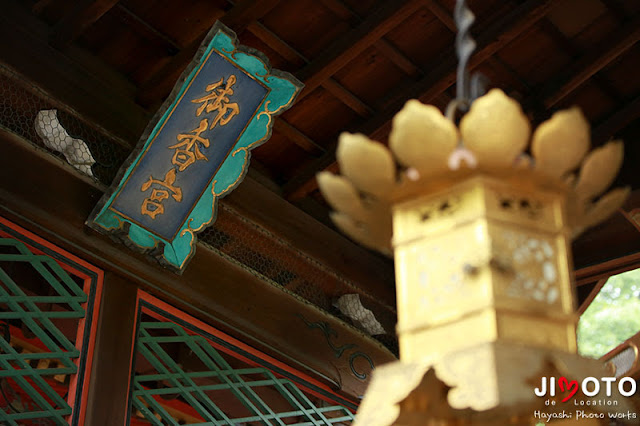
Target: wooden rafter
[238, 18]
[144, 29]
[297, 137]
[346, 48]
[348, 98]
[499, 33]
[616, 121]
[283, 48]
[83, 14]
[568, 46]
[384, 46]
[398, 58]
[445, 17]
[295, 57]
[88, 83]
[491, 40]
[442, 14]
[377, 25]
[595, 60]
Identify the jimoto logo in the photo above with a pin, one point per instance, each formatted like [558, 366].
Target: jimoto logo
[590, 386]
[609, 404]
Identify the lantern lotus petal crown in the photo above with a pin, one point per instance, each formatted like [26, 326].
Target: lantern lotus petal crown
[427, 150]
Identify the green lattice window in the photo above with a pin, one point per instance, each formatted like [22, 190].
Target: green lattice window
[46, 324]
[187, 374]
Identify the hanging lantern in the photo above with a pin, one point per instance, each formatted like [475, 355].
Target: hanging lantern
[480, 232]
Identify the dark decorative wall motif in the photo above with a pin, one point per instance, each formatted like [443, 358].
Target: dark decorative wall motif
[330, 333]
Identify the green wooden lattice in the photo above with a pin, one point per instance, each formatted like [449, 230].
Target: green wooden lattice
[243, 383]
[46, 403]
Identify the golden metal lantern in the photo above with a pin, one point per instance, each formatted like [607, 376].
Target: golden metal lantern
[480, 232]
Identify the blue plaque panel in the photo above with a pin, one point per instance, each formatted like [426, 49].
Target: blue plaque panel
[195, 159]
[195, 150]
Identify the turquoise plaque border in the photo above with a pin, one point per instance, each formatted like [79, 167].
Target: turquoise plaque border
[282, 91]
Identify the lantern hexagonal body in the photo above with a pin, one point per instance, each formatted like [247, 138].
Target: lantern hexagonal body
[482, 262]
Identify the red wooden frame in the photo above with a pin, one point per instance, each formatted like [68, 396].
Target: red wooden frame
[255, 358]
[91, 276]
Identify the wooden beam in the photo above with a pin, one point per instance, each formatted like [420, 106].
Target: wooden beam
[144, 29]
[347, 98]
[112, 353]
[293, 56]
[568, 46]
[443, 15]
[72, 76]
[296, 58]
[398, 58]
[606, 269]
[55, 203]
[238, 18]
[83, 14]
[315, 240]
[345, 49]
[616, 121]
[345, 13]
[335, 88]
[532, 101]
[497, 35]
[506, 70]
[297, 137]
[281, 47]
[446, 18]
[595, 60]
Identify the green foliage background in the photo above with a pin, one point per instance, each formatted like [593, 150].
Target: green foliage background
[612, 317]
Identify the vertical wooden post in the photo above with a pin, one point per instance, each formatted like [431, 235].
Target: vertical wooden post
[108, 389]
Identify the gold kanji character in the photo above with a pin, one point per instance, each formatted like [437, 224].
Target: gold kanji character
[152, 206]
[188, 150]
[218, 100]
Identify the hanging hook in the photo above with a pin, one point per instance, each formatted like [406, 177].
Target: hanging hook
[468, 87]
[465, 45]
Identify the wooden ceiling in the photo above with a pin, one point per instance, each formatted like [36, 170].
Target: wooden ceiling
[360, 61]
